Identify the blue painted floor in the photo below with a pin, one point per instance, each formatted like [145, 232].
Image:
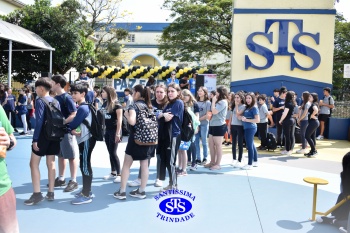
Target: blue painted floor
[271, 198]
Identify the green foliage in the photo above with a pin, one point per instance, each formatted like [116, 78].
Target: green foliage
[60, 27]
[341, 85]
[200, 29]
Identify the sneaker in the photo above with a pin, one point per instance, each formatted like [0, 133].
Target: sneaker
[312, 154]
[23, 133]
[325, 219]
[117, 179]
[59, 183]
[120, 195]
[193, 167]
[234, 162]
[227, 143]
[82, 200]
[182, 173]
[72, 185]
[343, 230]
[246, 167]
[50, 196]
[110, 176]
[238, 165]
[16, 130]
[215, 167]
[169, 187]
[319, 137]
[158, 183]
[255, 164]
[262, 148]
[134, 183]
[138, 194]
[189, 163]
[204, 161]
[80, 194]
[284, 152]
[198, 161]
[35, 198]
[301, 151]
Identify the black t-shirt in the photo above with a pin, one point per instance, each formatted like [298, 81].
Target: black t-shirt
[290, 106]
[310, 111]
[277, 104]
[111, 117]
[157, 107]
[183, 81]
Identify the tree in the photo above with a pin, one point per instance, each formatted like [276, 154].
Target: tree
[60, 27]
[341, 57]
[98, 18]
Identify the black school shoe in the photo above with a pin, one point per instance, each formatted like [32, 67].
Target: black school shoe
[34, 199]
[59, 183]
[311, 154]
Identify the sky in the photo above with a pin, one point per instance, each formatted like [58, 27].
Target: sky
[150, 10]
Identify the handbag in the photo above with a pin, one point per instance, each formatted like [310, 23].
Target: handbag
[184, 145]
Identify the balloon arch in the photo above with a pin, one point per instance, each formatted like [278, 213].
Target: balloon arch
[144, 72]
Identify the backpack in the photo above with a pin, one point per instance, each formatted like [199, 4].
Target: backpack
[187, 129]
[125, 126]
[54, 126]
[146, 127]
[297, 135]
[97, 127]
[271, 142]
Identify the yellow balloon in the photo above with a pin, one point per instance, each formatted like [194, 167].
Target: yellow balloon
[95, 70]
[177, 75]
[167, 71]
[151, 71]
[171, 68]
[134, 73]
[185, 69]
[163, 74]
[181, 71]
[138, 71]
[88, 69]
[156, 69]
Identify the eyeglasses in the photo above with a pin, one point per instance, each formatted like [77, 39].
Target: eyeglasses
[172, 74]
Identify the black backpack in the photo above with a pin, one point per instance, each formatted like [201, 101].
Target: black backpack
[187, 130]
[97, 127]
[297, 135]
[125, 126]
[54, 126]
[271, 142]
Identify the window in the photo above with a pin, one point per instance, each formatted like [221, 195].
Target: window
[131, 38]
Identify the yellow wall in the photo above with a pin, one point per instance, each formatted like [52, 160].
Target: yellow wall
[245, 24]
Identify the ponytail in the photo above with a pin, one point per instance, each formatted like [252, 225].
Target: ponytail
[145, 93]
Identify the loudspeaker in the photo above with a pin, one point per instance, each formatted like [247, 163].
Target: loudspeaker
[45, 74]
[199, 82]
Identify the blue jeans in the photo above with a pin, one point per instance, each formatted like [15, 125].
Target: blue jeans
[203, 133]
[249, 141]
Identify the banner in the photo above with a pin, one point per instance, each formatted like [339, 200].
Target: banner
[210, 82]
[121, 84]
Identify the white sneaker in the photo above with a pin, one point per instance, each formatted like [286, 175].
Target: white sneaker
[301, 151]
[109, 177]
[255, 164]
[134, 183]
[320, 137]
[117, 179]
[234, 162]
[193, 168]
[284, 152]
[246, 167]
[158, 183]
[238, 165]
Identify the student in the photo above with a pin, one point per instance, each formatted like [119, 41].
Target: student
[288, 123]
[172, 78]
[128, 100]
[69, 149]
[41, 146]
[90, 96]
[98, 100]
[192, 83]
[228, 136]
[310, 133]
[133, 151]
[158, 104]
[303, 120]
[217, 127]
[21, 110]
[339, 217]
[151, 81]
[113, 135]
[184, 84]
[325, 110]
[30, 112]
[236, 128]
[168, 144]
[264, 117]
[86, 142]
[204, 107]
[250, 118]
[9, 106]
[278, 108]
[8, 217]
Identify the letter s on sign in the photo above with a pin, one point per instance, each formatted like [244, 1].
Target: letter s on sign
[261, 50]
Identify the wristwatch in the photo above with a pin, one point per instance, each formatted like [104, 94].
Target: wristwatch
[12, 143]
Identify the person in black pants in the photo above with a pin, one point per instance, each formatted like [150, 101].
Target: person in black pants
[278, 107]
[310, 133]
[263, 124]
[288, 123]
[9, 107]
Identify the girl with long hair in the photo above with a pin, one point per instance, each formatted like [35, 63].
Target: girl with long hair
[170, 121]
[21, 110]
[250, 118]
[98, 101]
[217, 127]
[236, 128]
[133, 151]
[288, 123]
[228, 136]
[191, 105]
[303, 120]
[204, 107]
[113, 121]
[30, 106]
[310, 133]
